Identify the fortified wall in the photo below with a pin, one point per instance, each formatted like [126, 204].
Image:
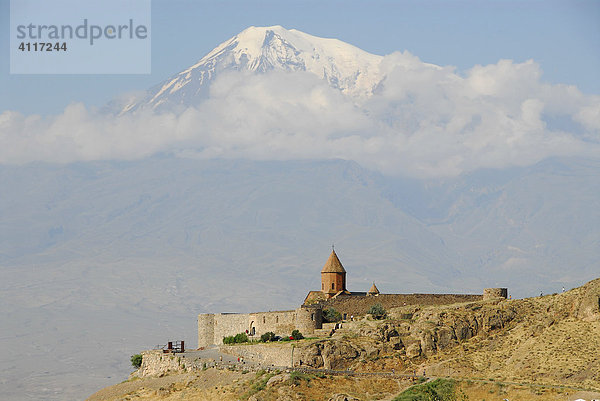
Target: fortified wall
[357, 305]
[213, 327]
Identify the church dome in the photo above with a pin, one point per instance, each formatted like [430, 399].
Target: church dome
[374, 290]
[333, 265]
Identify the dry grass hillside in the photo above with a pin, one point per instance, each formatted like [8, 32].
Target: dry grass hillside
[552, 339]
[543, 348]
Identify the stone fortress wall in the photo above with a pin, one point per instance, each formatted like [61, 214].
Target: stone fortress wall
[359, 305]
[213, 327]
[308, 318]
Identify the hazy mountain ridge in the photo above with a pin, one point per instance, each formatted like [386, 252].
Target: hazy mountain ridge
[197, 207]
[537, 221]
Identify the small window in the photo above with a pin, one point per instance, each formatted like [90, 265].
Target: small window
[276, 319]
[312, 316]
[332, 286]
[345, 316]
[322, 286]
[264, 319]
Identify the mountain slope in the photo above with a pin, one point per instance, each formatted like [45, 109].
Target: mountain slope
[261, 49]
[522, 222]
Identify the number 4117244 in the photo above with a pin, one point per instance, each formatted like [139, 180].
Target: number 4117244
[42, 46]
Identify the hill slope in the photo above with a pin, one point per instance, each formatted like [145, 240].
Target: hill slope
[536, 349]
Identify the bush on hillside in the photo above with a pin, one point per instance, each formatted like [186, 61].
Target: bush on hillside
[296, 335]
[136, 361]
[330, 315]
[268, 336]
[237, 339]
[377, 311]
[437, 390]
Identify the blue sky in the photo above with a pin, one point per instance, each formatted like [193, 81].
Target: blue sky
[562, 36]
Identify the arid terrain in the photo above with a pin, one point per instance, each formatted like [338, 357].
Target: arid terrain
[542, 348]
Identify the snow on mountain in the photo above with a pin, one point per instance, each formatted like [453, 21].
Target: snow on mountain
[261, 49]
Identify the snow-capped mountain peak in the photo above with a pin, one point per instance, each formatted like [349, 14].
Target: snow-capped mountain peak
[261, 49]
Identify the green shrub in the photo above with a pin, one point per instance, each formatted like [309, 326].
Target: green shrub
[296, 335]
[237, 339]
[437, 390]
[330, 315]
[136, 361]
[377, 311]
[259, 383]
[268, 336]
[297, 377]
[241, 338]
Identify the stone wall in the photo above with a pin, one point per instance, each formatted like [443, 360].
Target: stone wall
[309, 319]
[275, 354]
[155, 362]
[229, 324]
[213, 327]
[206, 330]
[359, 305]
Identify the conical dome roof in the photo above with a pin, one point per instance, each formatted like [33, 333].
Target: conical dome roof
[373, 290]
[333, 265]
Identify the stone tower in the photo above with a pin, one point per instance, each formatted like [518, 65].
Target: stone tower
[333, 276]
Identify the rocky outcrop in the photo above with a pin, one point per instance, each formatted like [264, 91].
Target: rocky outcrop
[424, 334]
[278, 379]
[582, 303]
[427, 331]
[334, 354]
[587, 305]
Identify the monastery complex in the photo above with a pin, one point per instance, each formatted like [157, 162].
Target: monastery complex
[308, 317]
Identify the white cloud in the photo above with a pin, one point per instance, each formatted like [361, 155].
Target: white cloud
[424, 120]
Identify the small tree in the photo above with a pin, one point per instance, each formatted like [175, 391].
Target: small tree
[377, 311]
[136, 361]
[296, 335]
[330, 315]
[268, 336]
